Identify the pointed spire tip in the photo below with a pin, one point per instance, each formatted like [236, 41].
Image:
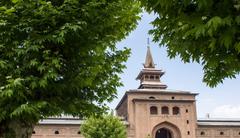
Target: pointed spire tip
[149, 60]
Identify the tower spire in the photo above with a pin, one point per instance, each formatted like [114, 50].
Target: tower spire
[149, 76]
[149, 60]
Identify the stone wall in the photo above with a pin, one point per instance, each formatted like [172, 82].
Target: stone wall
[218, 132]
[56, 131]
[122, 110]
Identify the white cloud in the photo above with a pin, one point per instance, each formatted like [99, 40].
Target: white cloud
[226, 111]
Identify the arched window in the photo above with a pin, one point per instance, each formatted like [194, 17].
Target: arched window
[153, 110]
[146, 77]
[165, 110]
[151, 77]
[176, 110]
[56, 132]
[202, 133]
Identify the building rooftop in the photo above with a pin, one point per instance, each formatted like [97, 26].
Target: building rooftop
[161, 90]
[61, 121]
[65, 121]
[219, 122]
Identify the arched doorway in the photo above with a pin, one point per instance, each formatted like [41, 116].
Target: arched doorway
[166, 130]
[163, 133]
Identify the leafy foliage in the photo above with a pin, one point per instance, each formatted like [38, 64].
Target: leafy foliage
[107, 126]
[204, 31]
[59, 56]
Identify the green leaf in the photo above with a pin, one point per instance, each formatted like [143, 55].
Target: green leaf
[17, 82]
[226, 40]
[214, 22]
[33, 85]
[7, 93]
[212, 45]
[237, 46]
[43, 83]
[10, 11]
[2, 64]
[199, 31]
[3, 8]
[15, 1]
[33, 62]
[237, 19]
[41, 68]
[203, 3]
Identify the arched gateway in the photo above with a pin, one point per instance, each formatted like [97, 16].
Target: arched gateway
[166, 130]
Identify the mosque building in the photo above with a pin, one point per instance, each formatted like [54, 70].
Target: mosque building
[151, 111]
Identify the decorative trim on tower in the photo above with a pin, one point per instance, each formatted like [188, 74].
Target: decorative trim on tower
[149, 76]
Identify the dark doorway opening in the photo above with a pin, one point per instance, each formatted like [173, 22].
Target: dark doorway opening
[163, 133]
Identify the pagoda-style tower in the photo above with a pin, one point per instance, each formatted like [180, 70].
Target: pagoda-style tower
[149, 76]
[154, 111]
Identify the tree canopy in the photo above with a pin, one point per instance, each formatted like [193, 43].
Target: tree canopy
[106, 126]
[60, 56]
[203, 31]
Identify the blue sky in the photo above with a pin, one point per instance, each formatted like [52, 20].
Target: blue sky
[219, 102]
